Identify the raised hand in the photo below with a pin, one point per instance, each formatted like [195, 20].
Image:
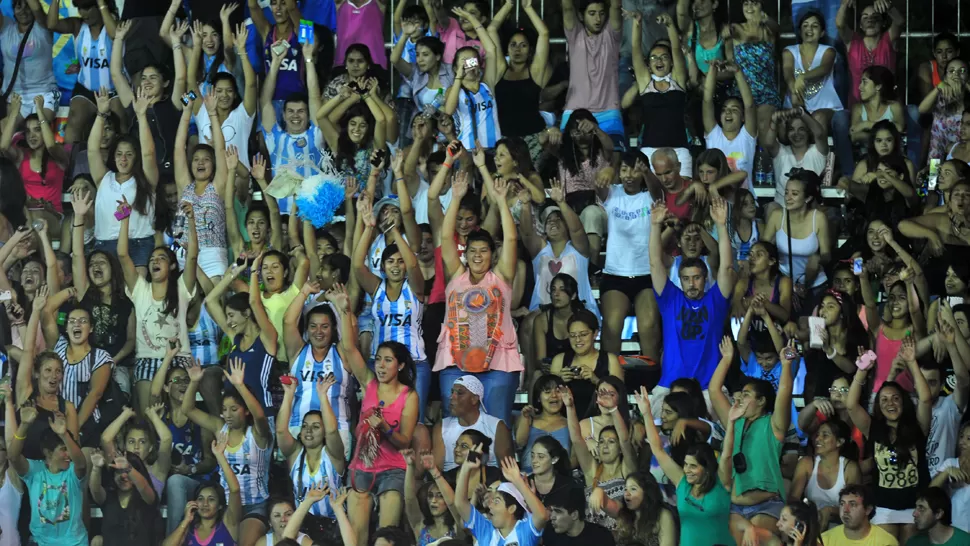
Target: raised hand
[97, 459]
[557, 191]
[258, 169]
[16, 102]
[459, 187]
[28, 414]
[188, 211]
[232, 157]
[510, 471]
[907, 351]
[58, 423]
[727, 348]
[477, 463]
[220, 443]
[323, 385]
[427, 460]
[339, 297]
[81, 201]
[658, 214]
[566, 396]
[408, 455]
[237, 373]
[141, 102]
[121, 30]
[209, 99]
[365, 210]
[40, 298]
[191, 509]
[642, 398]
[103, 99]
[317, 492]
[225, 12]
[155, 410]
[242, 35]
[194, 369]
[338, 497]
[500, 189]
[197, 30]
[178, 31]
[478, 157]
[121, 464]
[737, 410]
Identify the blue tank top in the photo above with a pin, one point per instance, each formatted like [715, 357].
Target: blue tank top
[561, 435]
[186, 440]
[219, 537]
[290, 78]
[259, 364]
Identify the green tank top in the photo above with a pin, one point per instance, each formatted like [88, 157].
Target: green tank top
[763, 454]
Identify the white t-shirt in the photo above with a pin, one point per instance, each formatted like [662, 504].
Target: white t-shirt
[959, 497]
[739, 152]
[785, 161]
[235, 128]
[942, 443]
[153, 327]
[106, 226]
[628, 240]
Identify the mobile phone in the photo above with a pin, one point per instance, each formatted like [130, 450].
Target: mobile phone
[305, 34]
[815, 327]
[954, 300]
[473, 456]
[5, 295]
[789, 353]
[378, 158]
[800, 526]
[189, 97]
[857, 266]
[123, 213]
[240, 260]
[934, 171]
[471, 62]
[286, 380]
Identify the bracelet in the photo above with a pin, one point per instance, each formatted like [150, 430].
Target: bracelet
[396, 180]
[435, 476]
[833, 354]
[18, 437]
[176, 47]
[102, 7]
[77, 225]
[309, 61]
[446, 165]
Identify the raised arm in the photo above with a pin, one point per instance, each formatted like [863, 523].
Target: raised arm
[118, 78]
[924, 407]
[348, 336]
[259, 19]
[145, 140]
[212, 423]
[234, 513]
[719, 400]
[95, 162]
[499, 189]
[570, 16]
[658, 214]
[843, 21]
[237, 377]
[725, 267]
[449, 248]
[586, 461]
[367, 280]
[708, 115]
[269, 85]
[670, 468]
[127, 264]
[180, 158]
[781, 417]
[13, 153]
[857, 411]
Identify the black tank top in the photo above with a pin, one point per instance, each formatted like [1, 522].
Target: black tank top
[666, 114]
[519, 113]
[554, 345]
[584, 391]
[35, 433]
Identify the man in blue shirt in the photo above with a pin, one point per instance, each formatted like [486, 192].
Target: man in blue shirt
[693, 320]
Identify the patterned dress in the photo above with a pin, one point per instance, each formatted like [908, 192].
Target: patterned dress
[945, 131]
[757, 62]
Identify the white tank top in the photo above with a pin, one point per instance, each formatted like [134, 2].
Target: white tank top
[825, 497]
[801, 250]
[451, 429]
[270, 541]
[9, 513]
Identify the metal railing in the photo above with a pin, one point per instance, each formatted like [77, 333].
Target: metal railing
[906, 36]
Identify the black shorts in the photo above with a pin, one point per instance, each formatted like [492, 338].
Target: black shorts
[84, 92]
[629, 286]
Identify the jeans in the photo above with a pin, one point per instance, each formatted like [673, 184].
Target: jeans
[841, 122]
[914, 134]
[422, 384]
[500, 388]
[179, 489]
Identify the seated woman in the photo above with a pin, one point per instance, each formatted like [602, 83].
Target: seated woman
[430, 507]
[758, 492]
[943, 231]
[795, 140]
[763, 278]
[214, 516]
[835, 465]
[946, 102]
[951, 172]
[584, 366]
[551, 469]
[543, 418]
[550, 332]
[488, 474]
[614, 461]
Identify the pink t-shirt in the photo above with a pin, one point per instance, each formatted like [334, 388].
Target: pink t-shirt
[388, 457]
[478, 326]
[886, 351]
[860, 58]
[360, 25]
[454, 39]
[594, 69]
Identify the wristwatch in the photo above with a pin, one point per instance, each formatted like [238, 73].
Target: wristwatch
[193, 469]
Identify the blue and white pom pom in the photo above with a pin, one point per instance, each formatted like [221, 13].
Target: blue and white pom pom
[319, 196]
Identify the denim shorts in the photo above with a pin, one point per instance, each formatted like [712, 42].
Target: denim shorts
[771, 507]
[379, 483]
[365, 322]
[140, 250]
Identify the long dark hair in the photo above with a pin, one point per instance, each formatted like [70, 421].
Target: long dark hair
[403, 356]
[872, 158]
[569, 152]
[210, 76]
[806, 512]
[571, 287]
[561, 467]
[704, 454]
[172, 287]
[650, 508]
[546, 382]
[841, 430]
[909, 434]
[14, 194]
[346, 149]
[519, 151]
[683, 404]
[45, 153]
[622, 404]
[144, 193]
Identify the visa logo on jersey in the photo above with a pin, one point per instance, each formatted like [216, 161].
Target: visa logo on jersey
[396, 319]
[95, 63]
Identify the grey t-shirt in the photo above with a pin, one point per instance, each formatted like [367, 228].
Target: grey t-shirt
[36, 74]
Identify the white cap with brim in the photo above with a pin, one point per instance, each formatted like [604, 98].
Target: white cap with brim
[507, 487]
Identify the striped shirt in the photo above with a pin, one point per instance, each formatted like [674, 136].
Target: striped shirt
[398, 320]
[478, 117]
[94, 57]
[76, 383]
[292, 150]
[303, 478]
[307, 371]
[204, 339]
[250, 464]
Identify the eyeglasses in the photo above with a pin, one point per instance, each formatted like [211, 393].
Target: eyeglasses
[179, 381]
[840, 390]
[659, 58]
[580, 335]
[74, 321]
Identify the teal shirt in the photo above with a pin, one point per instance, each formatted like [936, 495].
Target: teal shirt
[704, 521]
[959, 538]
[763, 454]
[56, 509]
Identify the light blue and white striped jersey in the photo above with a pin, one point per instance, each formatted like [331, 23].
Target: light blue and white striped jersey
[398, 320]
[523, 534]
[307, 371]
[250, 464]
[478, 116]
[94, 59]
[204, 339]
[303, 479]
[292, 150]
